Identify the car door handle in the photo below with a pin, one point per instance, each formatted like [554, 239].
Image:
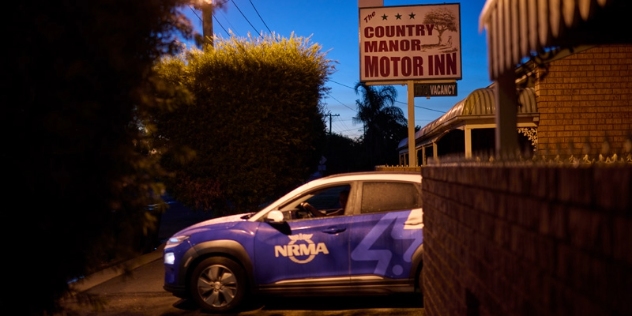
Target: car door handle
[334, 230]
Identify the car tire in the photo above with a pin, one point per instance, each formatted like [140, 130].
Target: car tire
[218, 284]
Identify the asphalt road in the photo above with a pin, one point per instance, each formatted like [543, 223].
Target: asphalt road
[140, 293]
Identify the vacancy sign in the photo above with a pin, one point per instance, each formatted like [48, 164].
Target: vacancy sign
[401, 43]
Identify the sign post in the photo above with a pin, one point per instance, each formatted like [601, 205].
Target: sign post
[412, 153]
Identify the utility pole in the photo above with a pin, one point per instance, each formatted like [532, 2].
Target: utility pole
[330, 115]
[207, 21]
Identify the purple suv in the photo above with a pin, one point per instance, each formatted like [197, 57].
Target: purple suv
[372, 244]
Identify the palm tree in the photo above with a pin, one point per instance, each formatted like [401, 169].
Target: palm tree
[384, 123]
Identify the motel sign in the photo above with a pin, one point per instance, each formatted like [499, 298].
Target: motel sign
[401, 43]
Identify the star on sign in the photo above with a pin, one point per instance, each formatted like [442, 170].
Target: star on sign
[412, 16]
[398, 16]
[384, 17]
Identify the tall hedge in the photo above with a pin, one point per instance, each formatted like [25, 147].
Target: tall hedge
[254, 126]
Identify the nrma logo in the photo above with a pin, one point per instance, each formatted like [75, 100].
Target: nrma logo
[301, 245]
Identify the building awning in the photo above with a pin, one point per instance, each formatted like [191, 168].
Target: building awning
[479, 104]
[517, 29]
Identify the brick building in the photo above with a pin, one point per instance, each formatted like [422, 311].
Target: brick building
[584, 102]
[510, 238]
[570, 104]
[535, 239]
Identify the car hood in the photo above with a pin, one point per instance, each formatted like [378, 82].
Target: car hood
[223, 222]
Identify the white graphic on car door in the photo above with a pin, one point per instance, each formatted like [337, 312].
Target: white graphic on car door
[404, 234]
[304, 247]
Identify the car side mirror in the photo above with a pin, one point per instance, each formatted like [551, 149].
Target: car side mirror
[275, 217]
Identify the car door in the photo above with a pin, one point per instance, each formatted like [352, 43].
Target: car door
[387, 230]
[303, 249]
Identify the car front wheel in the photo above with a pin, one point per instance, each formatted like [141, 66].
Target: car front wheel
[218, 284]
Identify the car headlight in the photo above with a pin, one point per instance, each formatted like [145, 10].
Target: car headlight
[175, 240]
[170, 258]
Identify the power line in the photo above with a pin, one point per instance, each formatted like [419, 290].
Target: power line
[264, 22]
[341, 125]
[344, 85]
[242, 14]
[351, 129]
[220, 24]
[338, 83]
[429, 109]
[421, 107]
[348, 107]
[232, 28]
[196, 14]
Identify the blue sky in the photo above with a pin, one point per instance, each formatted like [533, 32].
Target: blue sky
[334, 25]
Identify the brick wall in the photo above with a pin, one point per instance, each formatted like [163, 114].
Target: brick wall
[586, 99]
[527, 240]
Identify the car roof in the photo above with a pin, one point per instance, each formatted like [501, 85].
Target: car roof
[371, 175]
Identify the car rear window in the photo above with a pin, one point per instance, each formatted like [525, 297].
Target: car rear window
[389, 196]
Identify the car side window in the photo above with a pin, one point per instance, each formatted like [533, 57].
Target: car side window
[327, 201]
[389, 196]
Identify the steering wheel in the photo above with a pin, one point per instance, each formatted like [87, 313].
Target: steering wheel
[302, 211]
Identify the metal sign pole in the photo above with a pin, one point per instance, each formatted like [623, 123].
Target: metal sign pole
[412, 151]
